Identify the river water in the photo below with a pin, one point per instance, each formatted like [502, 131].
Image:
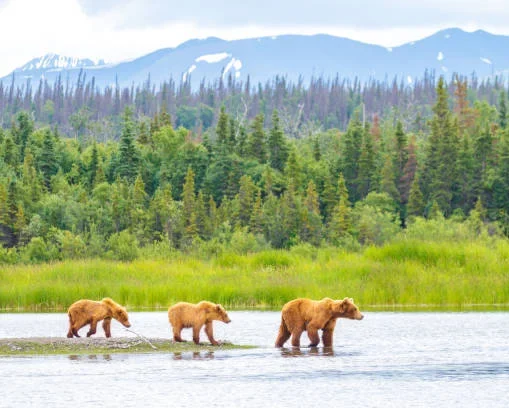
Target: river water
[385, 360]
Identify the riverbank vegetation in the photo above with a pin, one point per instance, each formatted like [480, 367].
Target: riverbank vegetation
[433, 265]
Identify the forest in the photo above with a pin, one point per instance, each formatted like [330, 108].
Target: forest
[123, 174]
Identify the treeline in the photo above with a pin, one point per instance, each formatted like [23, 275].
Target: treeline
[84, 111]
[172, 188]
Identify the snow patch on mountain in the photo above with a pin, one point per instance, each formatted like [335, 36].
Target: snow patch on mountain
[58, 62]
[486, 60]
[440, 56]
[234, 63]
[213, 58]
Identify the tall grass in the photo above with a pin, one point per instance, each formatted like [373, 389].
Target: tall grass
[406, 274]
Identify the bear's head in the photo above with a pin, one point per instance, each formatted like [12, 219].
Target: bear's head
[120, 314]
[219, 313]
[346, 308]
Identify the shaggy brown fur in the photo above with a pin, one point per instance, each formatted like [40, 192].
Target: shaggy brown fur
[85, 312]
[184, 315]
[312, 315]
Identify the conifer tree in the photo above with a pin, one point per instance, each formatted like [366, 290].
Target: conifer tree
[47, 161]
[340, 224]
[256, 221]
[415, 200]
[189, 207]
[367, 167]
[352, 140]
[439, 174]
[200, 215]
[246, 197]
[93, 166]
[387, 184]
[311, 220]
[278, 150]
[222, 128]
[256, 142]
[317, 154]
[128, 160]
[502, 110]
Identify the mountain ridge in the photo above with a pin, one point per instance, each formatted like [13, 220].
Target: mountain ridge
[447, 51]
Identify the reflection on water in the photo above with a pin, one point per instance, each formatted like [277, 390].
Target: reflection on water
[307, 352]
[196, 355]
[93, 357]
[397, 359]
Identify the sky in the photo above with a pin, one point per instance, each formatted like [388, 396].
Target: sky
[116, 30]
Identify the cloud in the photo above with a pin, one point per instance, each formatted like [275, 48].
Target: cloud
[360, 14]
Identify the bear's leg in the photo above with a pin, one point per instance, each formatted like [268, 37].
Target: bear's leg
[313, 336]
[70, 334]
[210, 333]
[77, 324]
[328, 332]
[107, 326]
[93, 328]
[196, 334]
[176, 333]
[296, 337]
[75, 331]
[283, 335]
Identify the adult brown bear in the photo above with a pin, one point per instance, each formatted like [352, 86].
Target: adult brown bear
[309, 315]
[85, 312]
[184, 315]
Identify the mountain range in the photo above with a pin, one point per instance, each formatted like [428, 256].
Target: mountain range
[294, 56]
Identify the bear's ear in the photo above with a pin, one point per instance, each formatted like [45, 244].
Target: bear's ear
[351, 300]
[218, 307]
[347, 300]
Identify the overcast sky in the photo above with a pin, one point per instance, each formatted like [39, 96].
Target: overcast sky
[115, 30]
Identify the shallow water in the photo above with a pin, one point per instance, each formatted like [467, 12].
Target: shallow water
[385, 360]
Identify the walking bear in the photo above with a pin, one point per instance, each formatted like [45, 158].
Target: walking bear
[185, 315]
[309, 315]
[85, 312]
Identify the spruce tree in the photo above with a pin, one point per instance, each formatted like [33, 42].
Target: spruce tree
[189, 207]
[246, 198]
[440, 172]
[415, 206]
[278, 150]
[128, 160]
[502, 110]
[352, 146]
[48, 160]
[367, 167]
[256, 142]
[340, 223]
[222, 129]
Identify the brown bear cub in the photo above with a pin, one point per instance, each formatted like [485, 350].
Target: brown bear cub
[85, 312]
[312, 315]
[185, 315]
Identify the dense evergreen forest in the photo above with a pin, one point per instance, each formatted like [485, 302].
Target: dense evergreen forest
[89, 173]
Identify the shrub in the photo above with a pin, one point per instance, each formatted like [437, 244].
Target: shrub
[123, 246]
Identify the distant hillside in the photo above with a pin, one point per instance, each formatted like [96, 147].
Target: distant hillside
[446, 52]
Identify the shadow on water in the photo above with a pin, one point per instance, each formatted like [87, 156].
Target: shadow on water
[90, 357]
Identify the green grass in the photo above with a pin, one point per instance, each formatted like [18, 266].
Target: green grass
[48, 346]
[404, 275]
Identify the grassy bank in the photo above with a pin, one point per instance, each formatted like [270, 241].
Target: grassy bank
[50, 346]
[408, 275]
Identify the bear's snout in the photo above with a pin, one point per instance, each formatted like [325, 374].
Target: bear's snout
[127, 324]
[360, 317]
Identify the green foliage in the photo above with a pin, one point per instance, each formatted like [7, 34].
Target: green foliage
[122, 246]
